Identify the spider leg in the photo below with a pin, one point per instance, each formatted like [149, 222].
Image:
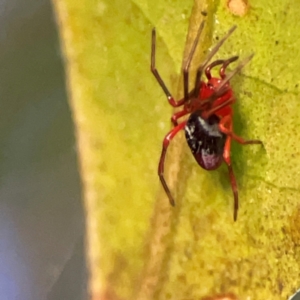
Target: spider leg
[225, 65]
[234, 190]
[222, 88]
[207, 114]
[228, 77]
[227, 159]
[168, 138]
[154, 71]
[188, 63]
[212, 65]
[178, 115]
[225, 126]
[222, 62]
[209, 57]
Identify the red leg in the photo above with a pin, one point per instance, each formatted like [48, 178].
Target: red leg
[228, 77]
[178, 115]
[235, 192]
[227, 159]
[212, 65]
[171, 100]
[207, 114]
[208, 58]
[222, 71]
[161, 164]
[223, 86]
[225, 126]
[226, 64]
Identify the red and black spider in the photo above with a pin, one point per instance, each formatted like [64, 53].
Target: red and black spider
[209, 128]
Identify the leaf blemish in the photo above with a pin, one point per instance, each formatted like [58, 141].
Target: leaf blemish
[238, 7]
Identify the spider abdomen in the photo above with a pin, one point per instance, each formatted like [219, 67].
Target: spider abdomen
[205, 140]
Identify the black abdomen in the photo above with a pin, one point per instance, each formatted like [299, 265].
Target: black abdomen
[205, 140]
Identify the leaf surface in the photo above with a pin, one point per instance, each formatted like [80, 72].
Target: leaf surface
[138, 246]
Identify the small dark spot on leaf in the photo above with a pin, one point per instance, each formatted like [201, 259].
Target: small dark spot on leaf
[204, 13]
[217, 38]
[280, 285]
[248, 93]
[276, 42]
[182, 278]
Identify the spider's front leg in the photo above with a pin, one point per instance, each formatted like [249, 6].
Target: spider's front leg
[168, 138]
[154, 71]
[208, 58]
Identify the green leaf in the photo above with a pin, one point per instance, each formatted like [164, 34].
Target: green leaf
[138, 246]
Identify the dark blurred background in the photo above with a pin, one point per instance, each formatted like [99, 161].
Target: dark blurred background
[41, 213]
